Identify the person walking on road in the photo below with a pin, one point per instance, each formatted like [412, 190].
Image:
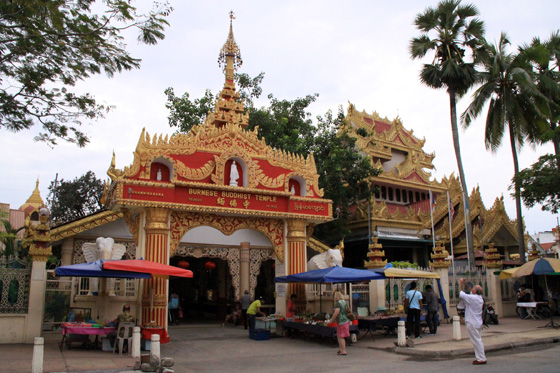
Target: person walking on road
[473, 318]
[432, 301]
[414, 298]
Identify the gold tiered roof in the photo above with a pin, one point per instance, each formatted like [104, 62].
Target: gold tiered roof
[34, 202]
[228, 108]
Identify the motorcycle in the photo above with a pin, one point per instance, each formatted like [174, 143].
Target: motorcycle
[490, 315]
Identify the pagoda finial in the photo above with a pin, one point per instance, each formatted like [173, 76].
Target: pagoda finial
[230, 55]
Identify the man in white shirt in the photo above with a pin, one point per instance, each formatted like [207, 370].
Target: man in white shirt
[473, 318]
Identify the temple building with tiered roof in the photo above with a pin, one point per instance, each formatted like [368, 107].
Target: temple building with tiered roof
[399, 214]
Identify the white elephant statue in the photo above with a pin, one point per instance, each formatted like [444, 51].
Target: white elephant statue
[330, 258]
[103, 248]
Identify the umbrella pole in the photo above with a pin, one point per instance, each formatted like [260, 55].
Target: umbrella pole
[320, 298]
[551, 324]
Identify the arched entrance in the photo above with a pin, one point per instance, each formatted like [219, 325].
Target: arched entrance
[219, 279]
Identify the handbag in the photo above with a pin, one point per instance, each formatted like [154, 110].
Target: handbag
[350, 314]
[180, 313]
[407, 303]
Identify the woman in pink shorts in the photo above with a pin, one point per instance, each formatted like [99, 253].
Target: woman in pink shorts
[343, 328]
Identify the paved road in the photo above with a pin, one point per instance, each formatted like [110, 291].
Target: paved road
[201, 352]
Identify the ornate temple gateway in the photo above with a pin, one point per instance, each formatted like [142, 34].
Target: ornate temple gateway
[218, 200]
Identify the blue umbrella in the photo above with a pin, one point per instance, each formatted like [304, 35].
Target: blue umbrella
[331, 275]
[95, 269]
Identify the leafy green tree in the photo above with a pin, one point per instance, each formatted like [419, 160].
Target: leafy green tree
[545, 57]
[449, 31]
[47, 46]
[71, 200]
[8, 236]
[541, 183]
[345, 174]
[286, 124]
[508, 88]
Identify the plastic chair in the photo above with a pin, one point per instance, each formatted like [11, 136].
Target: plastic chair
[126, 328]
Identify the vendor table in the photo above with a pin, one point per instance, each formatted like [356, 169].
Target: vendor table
[147, 334]
[320, 330]
[72, 331]
[389, 323]
[269, 323]
[531, 309]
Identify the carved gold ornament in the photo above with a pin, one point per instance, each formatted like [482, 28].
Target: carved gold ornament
[182, 222]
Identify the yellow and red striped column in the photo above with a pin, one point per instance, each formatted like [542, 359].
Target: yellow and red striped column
[154, 299]
[297, 258]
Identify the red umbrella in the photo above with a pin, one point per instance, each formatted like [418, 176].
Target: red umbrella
[147, 266]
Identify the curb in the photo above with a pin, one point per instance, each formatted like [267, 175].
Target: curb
[461, 352]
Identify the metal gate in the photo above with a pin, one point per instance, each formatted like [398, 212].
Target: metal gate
[57, 300]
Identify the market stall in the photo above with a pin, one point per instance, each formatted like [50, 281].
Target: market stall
[315, 324]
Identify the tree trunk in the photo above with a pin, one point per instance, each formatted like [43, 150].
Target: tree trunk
[520, 231]
[466, 204]
[556, 142]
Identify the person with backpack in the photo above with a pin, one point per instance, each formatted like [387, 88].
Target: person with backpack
[414, 300]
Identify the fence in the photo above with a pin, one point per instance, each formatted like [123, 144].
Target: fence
[509, 289]
[122, 287]
[57, 300]
[396, 288]
[15, 275]
[477, 277]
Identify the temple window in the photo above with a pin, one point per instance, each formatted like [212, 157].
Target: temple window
[390, 194]
[383, 193]
[410, 196]
[377, 192]
[417, 196]
[424, 196]
[404, 196]
[398, 194]
[34, 216]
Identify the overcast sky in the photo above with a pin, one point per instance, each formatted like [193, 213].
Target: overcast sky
[352, 51]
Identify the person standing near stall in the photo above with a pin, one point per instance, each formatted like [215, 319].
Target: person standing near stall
[343, 323]
[254, 310]
[291, 308]
[414, 298]
[245, 303]
[432, 301]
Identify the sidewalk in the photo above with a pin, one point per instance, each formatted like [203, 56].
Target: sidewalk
[205, 341]
[510, 334]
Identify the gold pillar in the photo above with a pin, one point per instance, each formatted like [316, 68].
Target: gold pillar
[297, 257]
[154, 299]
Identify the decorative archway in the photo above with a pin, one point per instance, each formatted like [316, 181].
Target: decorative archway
[182, 222]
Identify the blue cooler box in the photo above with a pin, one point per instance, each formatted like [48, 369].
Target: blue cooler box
[259, 334]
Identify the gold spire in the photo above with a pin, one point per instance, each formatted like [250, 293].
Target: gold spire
[229, 108]
[34, 199]
[230, 55]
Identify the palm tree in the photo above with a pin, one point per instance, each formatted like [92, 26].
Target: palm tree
[509, 89]
[449, 31]
[546, 59]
